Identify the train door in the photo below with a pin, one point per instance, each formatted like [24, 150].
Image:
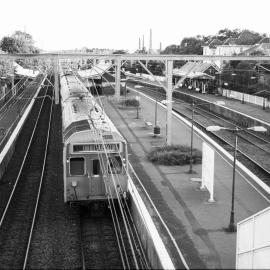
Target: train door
[95, 174]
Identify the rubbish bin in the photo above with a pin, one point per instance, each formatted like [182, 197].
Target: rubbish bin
[156, 130]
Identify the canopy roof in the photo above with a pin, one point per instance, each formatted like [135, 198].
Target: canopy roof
[195, 70]
[19, 70]
[96, 72]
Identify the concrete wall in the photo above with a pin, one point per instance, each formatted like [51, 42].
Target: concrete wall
[155, 249]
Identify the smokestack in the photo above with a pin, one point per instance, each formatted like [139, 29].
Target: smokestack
[143, 42]
[139, 44]
[150, 43]
[160, 47]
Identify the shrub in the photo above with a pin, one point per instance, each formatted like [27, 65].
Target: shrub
[174, 155]
[130, 102]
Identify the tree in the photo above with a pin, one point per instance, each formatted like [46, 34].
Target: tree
[8, 44]
[19, 42]
[226, 33]
[191, 45]
[171, 49]
[119, 52]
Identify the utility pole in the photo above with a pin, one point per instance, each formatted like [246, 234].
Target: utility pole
[56, 80]
[169, 71]
[117, 78]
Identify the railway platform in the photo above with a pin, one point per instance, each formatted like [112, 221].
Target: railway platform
[198, 227]
[12, 111]
[249, 109]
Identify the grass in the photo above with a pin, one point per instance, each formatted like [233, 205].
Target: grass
[174, 155]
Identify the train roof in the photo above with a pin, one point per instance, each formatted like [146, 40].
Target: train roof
[80, 111]
[72, 87]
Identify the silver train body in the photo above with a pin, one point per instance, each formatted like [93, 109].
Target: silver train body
[94, 152]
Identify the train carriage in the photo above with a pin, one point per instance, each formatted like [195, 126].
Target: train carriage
[94, 152]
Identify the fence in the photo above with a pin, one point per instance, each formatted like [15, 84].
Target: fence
[246, 97]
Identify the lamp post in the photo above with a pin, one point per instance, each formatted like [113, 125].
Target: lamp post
[232, 227]
[192, 131]
[226, 85]
[156, 127]
[138, 107]
[233, 74]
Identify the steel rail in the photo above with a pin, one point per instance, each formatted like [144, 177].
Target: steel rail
[231, 123]
[240, 135]
[14, 122]
[40, 184]
[21, 168]
[82, 242]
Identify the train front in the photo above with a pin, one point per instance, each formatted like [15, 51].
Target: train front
[94, 153]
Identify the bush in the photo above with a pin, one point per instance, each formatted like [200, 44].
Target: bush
[174, 155]
[130, 102]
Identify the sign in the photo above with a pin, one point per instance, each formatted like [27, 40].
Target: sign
[109, 147]
[253, 241]
[208, 165]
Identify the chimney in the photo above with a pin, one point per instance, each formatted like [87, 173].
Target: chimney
[139, 44]
[143, 42]
[160, 47]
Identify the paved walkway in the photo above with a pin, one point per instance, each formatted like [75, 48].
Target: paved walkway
[197, 226]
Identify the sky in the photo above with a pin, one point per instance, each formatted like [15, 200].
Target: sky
[118, 24]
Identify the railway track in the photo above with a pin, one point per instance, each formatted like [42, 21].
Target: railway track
[21, 206]
[17, 105]
[103, 245]
[253, 150]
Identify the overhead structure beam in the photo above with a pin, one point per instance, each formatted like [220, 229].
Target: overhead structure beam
[169, 73]
[154, 57]
[152, 75]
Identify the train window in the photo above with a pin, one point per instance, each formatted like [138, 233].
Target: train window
[115, 165]
[77, 148]
[77, 166]
[96, 167]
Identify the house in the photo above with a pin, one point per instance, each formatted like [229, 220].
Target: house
[231, 46]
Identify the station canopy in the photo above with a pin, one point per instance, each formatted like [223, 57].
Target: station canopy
[195, 70]
[96, 72]
[19, 70]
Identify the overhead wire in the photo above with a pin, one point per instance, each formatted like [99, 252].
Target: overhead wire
[124, 215]
[112, 209]
[139, 241]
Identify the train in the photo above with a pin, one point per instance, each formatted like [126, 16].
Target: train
[95, 155]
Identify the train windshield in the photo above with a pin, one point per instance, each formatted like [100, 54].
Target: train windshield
[115, 164]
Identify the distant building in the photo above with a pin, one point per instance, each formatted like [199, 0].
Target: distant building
[262, 48]
[231, 46]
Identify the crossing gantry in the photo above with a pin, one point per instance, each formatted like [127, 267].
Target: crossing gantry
[119, 60]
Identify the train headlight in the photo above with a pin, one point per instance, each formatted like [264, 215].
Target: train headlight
[74, 183]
